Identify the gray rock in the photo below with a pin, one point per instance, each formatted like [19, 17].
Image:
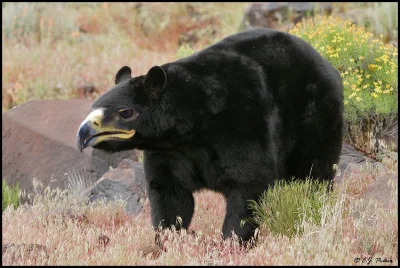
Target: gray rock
[126, 182]
[279, 15]
[378, 195]
[39, 140]
[351, 160]
[381, 189]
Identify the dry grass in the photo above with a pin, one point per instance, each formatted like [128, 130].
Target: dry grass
[351, 228]
[52, 50]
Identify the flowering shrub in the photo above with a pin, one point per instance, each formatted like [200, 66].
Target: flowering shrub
[368, 69]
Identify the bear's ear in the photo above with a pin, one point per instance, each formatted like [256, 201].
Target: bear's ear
[123, 74]
[155, 81]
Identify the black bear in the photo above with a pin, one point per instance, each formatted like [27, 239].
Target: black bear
[258, 106]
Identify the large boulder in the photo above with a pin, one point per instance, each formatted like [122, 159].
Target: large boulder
[39, 140]
[126, 182]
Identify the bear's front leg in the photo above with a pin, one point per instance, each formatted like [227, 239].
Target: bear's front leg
[170, 205]
[237, 210]
[170, 181]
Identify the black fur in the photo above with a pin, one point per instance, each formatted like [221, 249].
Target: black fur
[258, 106]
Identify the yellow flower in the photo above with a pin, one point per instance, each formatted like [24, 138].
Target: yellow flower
[358, 99]
[361, 57]
[368, 76]
[373, 94]
[345, 49]
[351, 60]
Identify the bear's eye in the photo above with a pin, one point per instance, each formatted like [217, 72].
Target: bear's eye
[125, 114]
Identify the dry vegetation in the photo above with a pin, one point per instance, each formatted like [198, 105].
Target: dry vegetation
[52, 50]
[349, 228]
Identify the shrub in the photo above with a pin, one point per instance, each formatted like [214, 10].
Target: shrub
[22, 21]
[368, 68]
[377, 17]
[184, 51]
[10, 195]
[283, 207]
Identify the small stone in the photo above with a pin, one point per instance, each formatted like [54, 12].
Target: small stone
[154, 251]
[103, 240]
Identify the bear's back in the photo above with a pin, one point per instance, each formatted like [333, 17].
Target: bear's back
[274, 50]
[286, 68]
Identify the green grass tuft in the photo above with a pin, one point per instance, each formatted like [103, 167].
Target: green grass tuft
[10, 195]
[283, 207]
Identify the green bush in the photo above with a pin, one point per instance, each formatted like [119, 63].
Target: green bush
[184, 51]
[283, 207]
[368, 68]
[10, 195]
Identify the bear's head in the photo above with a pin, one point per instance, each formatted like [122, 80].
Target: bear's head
[130, 115]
